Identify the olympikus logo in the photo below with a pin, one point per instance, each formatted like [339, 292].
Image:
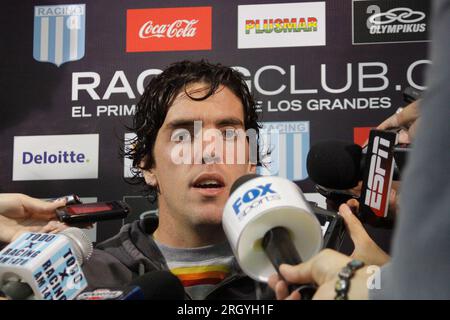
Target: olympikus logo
[405, 15]
[381, 23]
[377, 174]
[280, 25]
[177, 29]
[169, 29]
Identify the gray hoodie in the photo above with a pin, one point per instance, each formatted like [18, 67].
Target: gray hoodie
[133, 252]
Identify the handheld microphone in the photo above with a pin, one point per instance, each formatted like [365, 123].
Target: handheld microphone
[268, 222]
[45, 266]
[377, 179]
[340, 165]
[337, 165]
[156, 285]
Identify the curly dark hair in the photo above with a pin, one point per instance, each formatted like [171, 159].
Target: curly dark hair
[159, 94]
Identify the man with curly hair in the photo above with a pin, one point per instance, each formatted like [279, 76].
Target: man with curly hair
[189, 171]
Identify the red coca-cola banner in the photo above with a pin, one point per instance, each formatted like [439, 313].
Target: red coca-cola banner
[169, 29]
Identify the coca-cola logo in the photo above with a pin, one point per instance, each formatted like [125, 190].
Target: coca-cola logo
[176, 29]
[169, 29]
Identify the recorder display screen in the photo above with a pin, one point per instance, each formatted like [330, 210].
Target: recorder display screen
[88, 208]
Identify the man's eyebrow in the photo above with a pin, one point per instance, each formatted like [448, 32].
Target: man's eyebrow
[181, 123]
[229, 122]
[186, 123]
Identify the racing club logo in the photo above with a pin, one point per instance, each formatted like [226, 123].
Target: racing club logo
[284, 147]
[59, 33]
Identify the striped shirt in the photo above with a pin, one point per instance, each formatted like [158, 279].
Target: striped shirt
[201, 269]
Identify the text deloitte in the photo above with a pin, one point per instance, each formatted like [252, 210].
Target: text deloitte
[60, 157]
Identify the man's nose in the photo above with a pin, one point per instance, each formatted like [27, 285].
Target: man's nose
[211, 158]
[210, 147]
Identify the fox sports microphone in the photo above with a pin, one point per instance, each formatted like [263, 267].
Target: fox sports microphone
[268, 222]
[155, 285]
[45, 266]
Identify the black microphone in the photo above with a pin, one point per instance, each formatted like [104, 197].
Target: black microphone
[155, 285]
[341, 165]
[335, 164]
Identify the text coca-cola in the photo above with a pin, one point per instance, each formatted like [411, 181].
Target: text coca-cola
[176, 29]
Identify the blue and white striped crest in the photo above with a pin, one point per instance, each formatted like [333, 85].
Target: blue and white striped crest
[288, 143]
[59, 33]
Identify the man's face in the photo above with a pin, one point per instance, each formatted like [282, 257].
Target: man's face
[194, 192]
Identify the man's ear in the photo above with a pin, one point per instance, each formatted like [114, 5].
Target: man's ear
[150, 178]
[149, 175]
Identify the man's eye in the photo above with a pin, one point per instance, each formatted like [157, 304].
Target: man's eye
[181, 135]
[229, 134]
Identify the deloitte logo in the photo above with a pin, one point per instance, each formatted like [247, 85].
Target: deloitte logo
[56, 157]
[60, 157]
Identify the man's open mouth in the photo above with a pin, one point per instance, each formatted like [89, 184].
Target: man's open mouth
[209, 184]
[209, 181]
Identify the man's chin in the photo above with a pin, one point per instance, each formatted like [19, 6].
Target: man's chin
[209, 217]
[212, 220]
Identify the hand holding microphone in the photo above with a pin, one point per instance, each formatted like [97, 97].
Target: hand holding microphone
[365, 248]
[21, 206]
[268, 222]
[323, 270]
[20, 213]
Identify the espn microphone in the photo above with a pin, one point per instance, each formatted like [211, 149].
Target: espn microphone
[268, 222]
[338, 166]
[341, 165]
[45, 266]
[155, 285]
